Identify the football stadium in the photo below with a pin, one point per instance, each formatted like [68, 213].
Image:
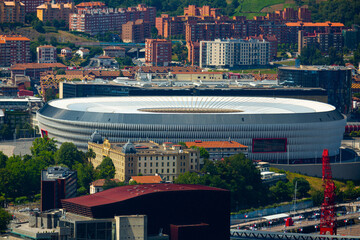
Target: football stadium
[275, 129]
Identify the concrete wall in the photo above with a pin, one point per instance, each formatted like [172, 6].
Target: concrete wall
[131, 227]
[345, 171]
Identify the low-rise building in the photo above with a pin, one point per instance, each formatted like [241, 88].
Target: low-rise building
[114, 52]
[46, 54]
[66, 52]
[98, 185]
[83, 52]
[146, 179]
[234, 52]
[146, 158]
[104, 62]
[34, 70]
[219, 149]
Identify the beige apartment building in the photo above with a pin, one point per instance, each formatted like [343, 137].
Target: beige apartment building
[146, 158]
[59, 11]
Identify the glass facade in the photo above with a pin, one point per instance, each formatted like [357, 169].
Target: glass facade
[336, 80]
[266, 145]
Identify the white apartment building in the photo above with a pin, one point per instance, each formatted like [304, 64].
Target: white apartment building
[234, 52]
[46, 54]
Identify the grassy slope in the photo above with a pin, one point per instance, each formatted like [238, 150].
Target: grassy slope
[315, 182]
[60, 35]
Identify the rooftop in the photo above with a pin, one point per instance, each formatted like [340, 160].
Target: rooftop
[315, 67]
[101, 182]
[24, 66]
[123, 193]
[191, 105]
[147, 179]
[215, 144]
[310, 24]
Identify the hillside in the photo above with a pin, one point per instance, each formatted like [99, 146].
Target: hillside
[33, 35]
[315, 182]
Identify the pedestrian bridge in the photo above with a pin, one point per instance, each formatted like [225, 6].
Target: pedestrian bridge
[247, 234]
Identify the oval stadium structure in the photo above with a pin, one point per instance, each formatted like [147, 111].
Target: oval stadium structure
[278, 129]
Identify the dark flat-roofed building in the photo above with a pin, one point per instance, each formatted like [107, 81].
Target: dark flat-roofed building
[164, 204]
[57, 183]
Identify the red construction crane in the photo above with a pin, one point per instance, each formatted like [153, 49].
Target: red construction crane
[328, 216]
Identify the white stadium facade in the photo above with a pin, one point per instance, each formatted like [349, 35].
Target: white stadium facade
[275, 129]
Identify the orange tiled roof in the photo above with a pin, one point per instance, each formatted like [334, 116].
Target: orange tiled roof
[197, 72]
[91, 4]
[101, 182]
[13, 38]
[310, 24]
[215, 144]
[114, 48]
[24, 66]
[355, 85]
[46, 46]
[147, 179]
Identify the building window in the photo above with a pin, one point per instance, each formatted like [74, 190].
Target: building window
[174, 164]
[162, 170]
[150, 164]
[139, 164]
[168, 164]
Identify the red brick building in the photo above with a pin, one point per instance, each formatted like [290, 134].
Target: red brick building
[203, 11]
[95, 19]
[193, 52]
[14, 49]
[12, 11]
[136, 31]
[158, 52]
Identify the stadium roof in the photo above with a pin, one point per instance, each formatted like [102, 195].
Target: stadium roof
[131, 191]
[191, 105]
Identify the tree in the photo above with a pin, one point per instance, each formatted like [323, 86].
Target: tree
[69, 155]
[106, 169]
[303, 187]
[203, 152]
[44, 144]
[317, 197]
[50, 94]
[85, 174]
[189, 178]
[5, 218]
[112, 184]
[154, 32]
[3, 159]
[282, 191]
[311, 55]
[90, 154]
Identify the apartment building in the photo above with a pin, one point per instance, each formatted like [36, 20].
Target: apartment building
[158, 52]
[170, 26]
[234, 52]
[46, 54]
[136, 32]
[324, 41]
[14, 49]
[309, 28]
[59, 11]
[96, 20]
[203, 11]
[193, 52]
[12, 11]
[146, 158]
[272, 41]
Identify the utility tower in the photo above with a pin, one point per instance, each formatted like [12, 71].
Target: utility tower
[328, 216]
